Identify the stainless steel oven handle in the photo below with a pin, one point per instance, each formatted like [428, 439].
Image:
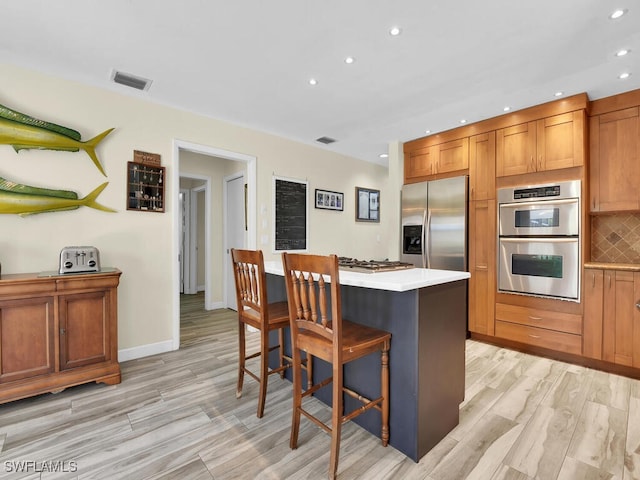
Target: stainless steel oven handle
[539, 240]
[541, 203]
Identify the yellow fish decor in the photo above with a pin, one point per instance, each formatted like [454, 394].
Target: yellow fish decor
[23, 132]
[26, 200]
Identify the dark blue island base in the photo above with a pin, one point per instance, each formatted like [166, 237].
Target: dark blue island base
[426, 361]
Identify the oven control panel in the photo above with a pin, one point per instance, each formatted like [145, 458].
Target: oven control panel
[537, 192]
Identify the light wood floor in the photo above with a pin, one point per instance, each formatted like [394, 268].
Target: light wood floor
[176, 416]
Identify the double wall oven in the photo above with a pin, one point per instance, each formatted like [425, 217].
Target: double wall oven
[539, 240]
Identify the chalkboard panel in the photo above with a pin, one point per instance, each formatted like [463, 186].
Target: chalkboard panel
[290, 207]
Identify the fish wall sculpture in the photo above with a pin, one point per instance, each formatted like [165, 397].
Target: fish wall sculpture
[27, 200]
[25, 132]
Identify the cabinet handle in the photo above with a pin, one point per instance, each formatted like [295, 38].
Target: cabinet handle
[62, 331]
[638, 305]
[534, 336]
[593, 280]
[534, 318]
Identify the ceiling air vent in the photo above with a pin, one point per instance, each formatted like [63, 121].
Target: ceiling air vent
[325, 140]
[129, 80]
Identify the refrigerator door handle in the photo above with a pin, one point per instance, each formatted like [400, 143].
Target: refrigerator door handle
[426, 257]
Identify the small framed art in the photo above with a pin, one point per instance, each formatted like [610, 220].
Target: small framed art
[329, 200]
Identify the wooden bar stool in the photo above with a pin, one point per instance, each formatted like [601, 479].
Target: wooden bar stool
[317, 328]
[255, 310]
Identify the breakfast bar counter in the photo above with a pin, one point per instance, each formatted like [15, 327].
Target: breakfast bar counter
[425, 310]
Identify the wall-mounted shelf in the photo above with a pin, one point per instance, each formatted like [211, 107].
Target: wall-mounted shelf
[145, 187]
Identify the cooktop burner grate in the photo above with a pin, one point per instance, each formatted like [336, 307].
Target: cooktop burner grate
[371, 266]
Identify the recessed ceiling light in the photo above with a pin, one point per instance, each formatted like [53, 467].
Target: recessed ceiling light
[463, 121]
[313, 81]
[395, 31]
[384, 155]
[624, 75]
[349, 60]
[427, 131]
[506, 109]
[558, 94]
[617, 14]
[622, 53]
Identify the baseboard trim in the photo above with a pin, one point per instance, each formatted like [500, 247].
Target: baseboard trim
[145, 350]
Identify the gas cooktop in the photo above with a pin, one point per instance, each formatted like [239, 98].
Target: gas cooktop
[371, 266]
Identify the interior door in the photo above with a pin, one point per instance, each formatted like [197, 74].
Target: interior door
[184, 240]
[235, 232]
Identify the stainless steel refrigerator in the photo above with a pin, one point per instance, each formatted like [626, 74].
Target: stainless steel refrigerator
[434, 224]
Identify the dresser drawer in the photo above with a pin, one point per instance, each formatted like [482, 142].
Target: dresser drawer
[540, 337]
[560, 321]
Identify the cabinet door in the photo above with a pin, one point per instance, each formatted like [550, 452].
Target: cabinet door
[592, 325]
[621, 335]
[452, 156]
[615, 161]
[482, 265]
[560, 141]
[482, 166]
[84, 329]
[421, 163]
[516, 149]
[26, 338]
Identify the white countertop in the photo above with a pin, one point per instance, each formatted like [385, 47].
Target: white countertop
[397, 281]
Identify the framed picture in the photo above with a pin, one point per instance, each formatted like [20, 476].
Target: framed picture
[367, 205]
[329, 200]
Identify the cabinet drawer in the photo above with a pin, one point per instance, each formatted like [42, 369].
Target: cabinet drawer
[560, 321]
[540, 337]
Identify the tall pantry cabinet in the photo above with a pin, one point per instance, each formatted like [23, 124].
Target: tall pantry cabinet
[482, 233]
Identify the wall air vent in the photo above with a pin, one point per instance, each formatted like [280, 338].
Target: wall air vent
[325, 140]
[129, 80]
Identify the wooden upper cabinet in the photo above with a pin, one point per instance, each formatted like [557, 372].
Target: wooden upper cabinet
[615, 161]
[453, 156]
[482, 166]
[436, 159]
[516, 149]
[550, 143]
[420, 163]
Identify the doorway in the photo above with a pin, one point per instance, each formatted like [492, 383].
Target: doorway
[251, 214]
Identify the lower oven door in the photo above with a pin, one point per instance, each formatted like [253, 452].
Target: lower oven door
[540, 266]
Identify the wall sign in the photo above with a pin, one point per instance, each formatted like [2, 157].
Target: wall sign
[290, 207]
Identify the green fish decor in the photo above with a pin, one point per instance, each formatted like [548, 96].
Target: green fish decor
[23, 132]
[26, 200]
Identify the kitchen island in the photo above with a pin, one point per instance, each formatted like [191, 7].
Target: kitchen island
[425, 311]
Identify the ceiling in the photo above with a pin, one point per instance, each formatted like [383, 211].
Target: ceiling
[249, 62]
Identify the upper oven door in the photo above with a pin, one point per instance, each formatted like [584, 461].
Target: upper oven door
[540, 218]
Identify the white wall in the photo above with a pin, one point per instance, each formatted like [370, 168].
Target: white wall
[141, 243]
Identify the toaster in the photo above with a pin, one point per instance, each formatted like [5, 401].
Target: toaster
[79, 259]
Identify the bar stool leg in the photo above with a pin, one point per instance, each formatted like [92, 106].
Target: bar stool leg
[384, 382]
[241, 358]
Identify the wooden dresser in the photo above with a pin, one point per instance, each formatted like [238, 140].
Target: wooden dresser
[57, 331]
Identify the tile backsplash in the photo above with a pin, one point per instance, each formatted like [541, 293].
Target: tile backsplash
[615, 238]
